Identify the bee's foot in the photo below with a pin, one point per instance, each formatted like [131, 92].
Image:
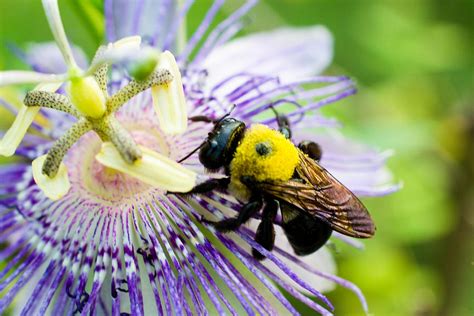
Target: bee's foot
[223, 226]
[177, 193]
[206, 221]
[257, 255]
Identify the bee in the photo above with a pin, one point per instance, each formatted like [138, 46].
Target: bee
[267, 172]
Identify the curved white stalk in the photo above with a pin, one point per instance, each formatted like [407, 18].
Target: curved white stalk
[23, 77]
[51, 10]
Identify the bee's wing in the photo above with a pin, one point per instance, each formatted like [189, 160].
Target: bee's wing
[321, 195]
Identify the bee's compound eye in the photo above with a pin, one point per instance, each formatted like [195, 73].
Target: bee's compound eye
[210, 155]
[263, 148]
[213, 144]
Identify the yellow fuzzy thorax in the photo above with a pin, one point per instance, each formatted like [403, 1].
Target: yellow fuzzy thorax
[276, 165]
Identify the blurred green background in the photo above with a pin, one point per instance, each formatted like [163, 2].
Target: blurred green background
[413, 61]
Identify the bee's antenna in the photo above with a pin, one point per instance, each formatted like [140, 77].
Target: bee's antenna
[191, 153]
[227, 114]
[203, 118]
[274, 110]
[215, 123]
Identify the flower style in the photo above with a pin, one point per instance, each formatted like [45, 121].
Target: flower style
[116, 243]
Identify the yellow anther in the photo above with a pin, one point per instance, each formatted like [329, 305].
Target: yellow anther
[153, 168]
[169, 100]
[54, 188]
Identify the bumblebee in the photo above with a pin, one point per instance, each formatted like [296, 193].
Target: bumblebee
[267, 172]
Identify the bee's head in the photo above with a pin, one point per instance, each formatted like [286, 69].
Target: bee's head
[221, 143]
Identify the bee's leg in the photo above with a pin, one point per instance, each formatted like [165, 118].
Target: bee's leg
[265, 235]
[311, 149]
[210, 185]
[247, 211]
[283, 123]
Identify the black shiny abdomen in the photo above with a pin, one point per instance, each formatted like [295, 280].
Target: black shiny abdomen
[306, 233]
[221, 144]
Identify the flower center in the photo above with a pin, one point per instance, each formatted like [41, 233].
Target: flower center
[96, 182]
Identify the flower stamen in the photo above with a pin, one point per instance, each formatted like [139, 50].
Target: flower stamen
[61, 146]
[56, 187]
[154, 169]
[160, 77]
[121, 138]
[50, 100]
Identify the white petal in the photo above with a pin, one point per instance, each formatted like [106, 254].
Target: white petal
[153, 169]
[20, 76]
[13, 137]
[122, 49]
[54, 188]
[169, 100]
[290, 53]
[51, 10]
